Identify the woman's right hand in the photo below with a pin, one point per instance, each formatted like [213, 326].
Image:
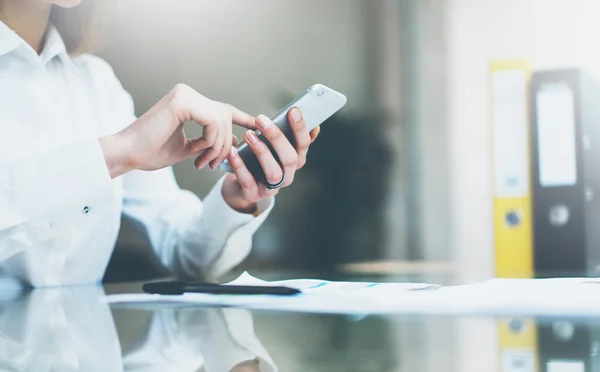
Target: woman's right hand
[157, 140]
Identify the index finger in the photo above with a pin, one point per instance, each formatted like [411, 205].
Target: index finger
[239, 117]
[245, 178]
[314, 134]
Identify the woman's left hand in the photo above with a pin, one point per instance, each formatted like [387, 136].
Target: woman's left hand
[240, 190]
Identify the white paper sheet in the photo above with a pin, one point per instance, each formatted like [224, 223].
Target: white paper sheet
[318, 296]
[574, 296]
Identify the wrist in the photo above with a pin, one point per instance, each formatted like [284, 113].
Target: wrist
[242, 206]
[235, 202]
[116, 154]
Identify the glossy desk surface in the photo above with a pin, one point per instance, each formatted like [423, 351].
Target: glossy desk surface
[74, 329]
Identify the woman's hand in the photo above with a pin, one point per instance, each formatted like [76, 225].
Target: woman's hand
[157, 140]
[240, 190]
[249, 366]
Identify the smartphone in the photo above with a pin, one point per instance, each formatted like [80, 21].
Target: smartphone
[317, 104]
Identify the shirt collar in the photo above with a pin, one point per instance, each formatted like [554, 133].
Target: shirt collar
[53, 46]
[9, 40]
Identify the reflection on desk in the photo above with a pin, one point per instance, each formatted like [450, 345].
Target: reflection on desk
[72, 329]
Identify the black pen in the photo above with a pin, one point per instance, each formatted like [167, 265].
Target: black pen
[178, 288]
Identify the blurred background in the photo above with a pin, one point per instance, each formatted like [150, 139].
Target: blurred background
[404, 173]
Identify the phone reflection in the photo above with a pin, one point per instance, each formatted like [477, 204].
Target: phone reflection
[72, 329]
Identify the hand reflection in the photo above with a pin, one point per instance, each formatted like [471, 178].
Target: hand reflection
[187, 339]
[249, 366]
[72, 329]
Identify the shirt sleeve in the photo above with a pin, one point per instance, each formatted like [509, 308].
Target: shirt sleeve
[191, 237]
[49, 187]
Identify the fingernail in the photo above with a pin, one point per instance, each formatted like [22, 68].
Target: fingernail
[233, 152]
[263, 122]
[252, 137]
[296, 115]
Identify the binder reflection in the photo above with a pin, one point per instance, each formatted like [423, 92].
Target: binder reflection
[517, 338]
[72, 329]
[565, 346]
[548, 345]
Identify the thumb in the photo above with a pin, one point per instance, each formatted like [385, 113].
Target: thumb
[197, 145]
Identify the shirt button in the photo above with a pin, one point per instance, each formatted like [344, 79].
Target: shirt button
[86, 210]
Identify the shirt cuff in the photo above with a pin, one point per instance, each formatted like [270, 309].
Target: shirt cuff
[71, 179]
[232, 227]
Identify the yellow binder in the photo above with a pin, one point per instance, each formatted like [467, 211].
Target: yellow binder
[511, 169]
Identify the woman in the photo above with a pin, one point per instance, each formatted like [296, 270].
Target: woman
[73, 158]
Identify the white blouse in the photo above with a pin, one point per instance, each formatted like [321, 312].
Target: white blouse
[59, 209]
